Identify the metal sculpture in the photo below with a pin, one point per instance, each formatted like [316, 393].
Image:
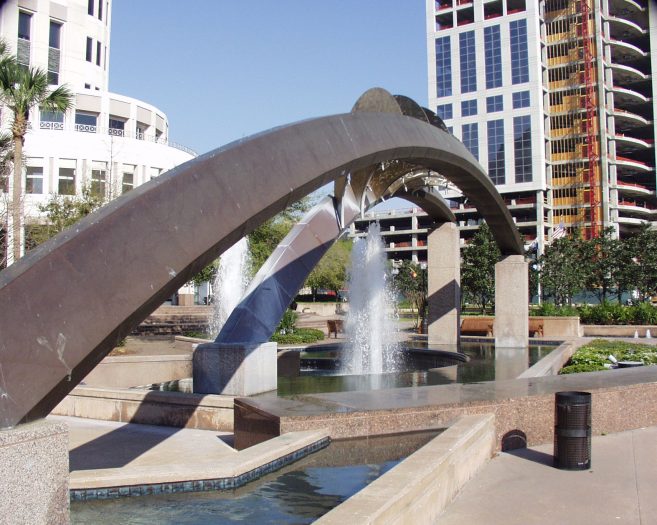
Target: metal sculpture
[68, 302]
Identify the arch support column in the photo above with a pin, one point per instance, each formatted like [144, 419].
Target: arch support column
[511, 326]
[444, 284]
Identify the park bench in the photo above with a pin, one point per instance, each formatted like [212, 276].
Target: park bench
[334, 326]
[477, 326]
[535, 327]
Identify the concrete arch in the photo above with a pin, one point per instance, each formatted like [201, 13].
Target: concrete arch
[68, 302]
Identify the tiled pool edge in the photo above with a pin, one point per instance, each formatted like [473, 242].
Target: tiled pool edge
[419, 488]
[220, 483]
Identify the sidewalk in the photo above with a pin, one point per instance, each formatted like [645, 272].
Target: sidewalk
[522, 487]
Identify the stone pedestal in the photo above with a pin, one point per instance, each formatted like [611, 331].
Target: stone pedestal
[235, 369]
[511, 326]
[444, 284]
[34, 473]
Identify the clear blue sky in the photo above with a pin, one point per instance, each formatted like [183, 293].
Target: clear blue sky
[225, 69]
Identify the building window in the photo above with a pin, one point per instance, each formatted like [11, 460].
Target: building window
[51, 119]
[468, 62]
[522, 145]
[90, 7]
[100, 9]
[98, 182]
[24, 37]
[90, 48]
[519, 53]
[87, 86]
[521, 100]
[128, 182]
[53, 52]
[116, 126]
[471, 138]
[493, 54]
[443, 67]
[444, 111]
[66, 184]
[55, 34]
[86, 122]
[98, 53]
[496, 151]
[34, 180]
[24, 25]
[468, 108]
[495, 103]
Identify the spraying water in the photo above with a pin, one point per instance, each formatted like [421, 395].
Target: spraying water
[372, 347]
[229, 284]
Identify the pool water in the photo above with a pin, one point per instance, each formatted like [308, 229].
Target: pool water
[298, 493]
[425, 367]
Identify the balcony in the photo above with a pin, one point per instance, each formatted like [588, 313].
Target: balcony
[48, 126]
[627, 166]
[634, 207]
[624, 96]
[626, 75]
[623, 51]
[623, 29]
[627, 119]
[627, 144]
[633, 189]
[627, 9]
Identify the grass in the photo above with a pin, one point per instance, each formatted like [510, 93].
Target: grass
[593, 356]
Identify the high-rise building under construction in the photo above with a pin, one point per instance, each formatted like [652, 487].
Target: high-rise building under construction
[556, 99]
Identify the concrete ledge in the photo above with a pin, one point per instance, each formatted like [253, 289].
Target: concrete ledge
[622, 399]
[590, 330]
[132, 370]
[554, 361]
[420, 487]
[173, 409]
[34, 474]
[235, 471]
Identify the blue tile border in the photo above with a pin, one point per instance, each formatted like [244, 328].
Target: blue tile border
[228, 483]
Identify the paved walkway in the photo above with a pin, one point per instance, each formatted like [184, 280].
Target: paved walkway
[523, 488]
[107, 454]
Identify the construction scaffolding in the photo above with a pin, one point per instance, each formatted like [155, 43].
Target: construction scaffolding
[573, 135]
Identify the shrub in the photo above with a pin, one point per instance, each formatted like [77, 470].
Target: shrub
[288, 321]
[552, 310]
[300, 336]
[642, 313]
[604, 314]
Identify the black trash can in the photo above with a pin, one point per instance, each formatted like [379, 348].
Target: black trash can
[572, 430]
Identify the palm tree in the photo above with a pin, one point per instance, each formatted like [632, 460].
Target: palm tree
[21, 89]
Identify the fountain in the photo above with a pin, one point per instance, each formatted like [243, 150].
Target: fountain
[372, 347]
[229, 283]
[648, 336]
[636, 334]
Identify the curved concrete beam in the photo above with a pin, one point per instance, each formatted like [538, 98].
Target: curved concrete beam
[67, 303]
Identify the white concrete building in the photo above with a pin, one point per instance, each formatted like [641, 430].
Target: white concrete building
[556, 99]
[107, 141]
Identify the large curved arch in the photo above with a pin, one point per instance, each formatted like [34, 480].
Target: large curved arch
[67, 303]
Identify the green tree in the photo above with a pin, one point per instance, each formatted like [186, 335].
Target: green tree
[604, 253]
[478, 261]
[61, 212]
[266, 237]
[411, 282]
[643, 266]
[564, 268]
[331, 270]
[22, 89]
